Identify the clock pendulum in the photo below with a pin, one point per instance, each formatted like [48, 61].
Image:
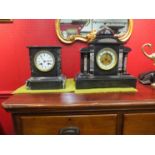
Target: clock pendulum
[103, 63]
[45, 62]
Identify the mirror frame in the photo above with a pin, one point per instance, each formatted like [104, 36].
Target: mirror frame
[92, 35]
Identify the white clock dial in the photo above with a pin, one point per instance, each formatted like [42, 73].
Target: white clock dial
[106, 58]
[44, 60]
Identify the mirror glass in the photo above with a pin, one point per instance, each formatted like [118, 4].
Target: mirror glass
[82, 29]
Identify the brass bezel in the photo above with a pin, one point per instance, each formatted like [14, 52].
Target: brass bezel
[92, 35]
[111, 51]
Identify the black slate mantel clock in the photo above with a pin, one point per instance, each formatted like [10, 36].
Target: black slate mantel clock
[45, 62]
[103, 63]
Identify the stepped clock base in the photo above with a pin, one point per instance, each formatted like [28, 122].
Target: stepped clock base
[40, 83]
[115, 81]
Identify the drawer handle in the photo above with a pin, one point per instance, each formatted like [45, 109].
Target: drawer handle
[69, 131]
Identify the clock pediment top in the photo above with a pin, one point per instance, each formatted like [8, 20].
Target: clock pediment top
[106, 35]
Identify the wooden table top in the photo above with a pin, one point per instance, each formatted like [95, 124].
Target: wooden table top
[145, 97]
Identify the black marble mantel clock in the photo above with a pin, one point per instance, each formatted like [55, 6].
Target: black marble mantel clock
[45, 62]
[103, 63]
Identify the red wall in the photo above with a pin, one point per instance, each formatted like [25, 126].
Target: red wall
[14, 59]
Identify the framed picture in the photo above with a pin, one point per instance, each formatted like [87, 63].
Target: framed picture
[6, 20]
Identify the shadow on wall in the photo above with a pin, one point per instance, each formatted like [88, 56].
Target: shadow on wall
[1, 130]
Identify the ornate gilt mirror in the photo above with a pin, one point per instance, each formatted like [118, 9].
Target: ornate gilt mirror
[70, 30]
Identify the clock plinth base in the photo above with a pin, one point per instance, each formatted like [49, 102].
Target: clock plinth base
[112, 81]
[40, 83]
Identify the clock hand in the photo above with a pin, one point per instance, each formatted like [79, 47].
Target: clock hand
[41, 57]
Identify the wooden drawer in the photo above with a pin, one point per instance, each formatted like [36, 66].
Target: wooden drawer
[87, 124]
[139, 123]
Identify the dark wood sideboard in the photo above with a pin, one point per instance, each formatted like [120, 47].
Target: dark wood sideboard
[69, 113]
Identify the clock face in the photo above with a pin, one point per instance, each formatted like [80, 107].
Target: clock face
[106, 59]
[44, 60]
